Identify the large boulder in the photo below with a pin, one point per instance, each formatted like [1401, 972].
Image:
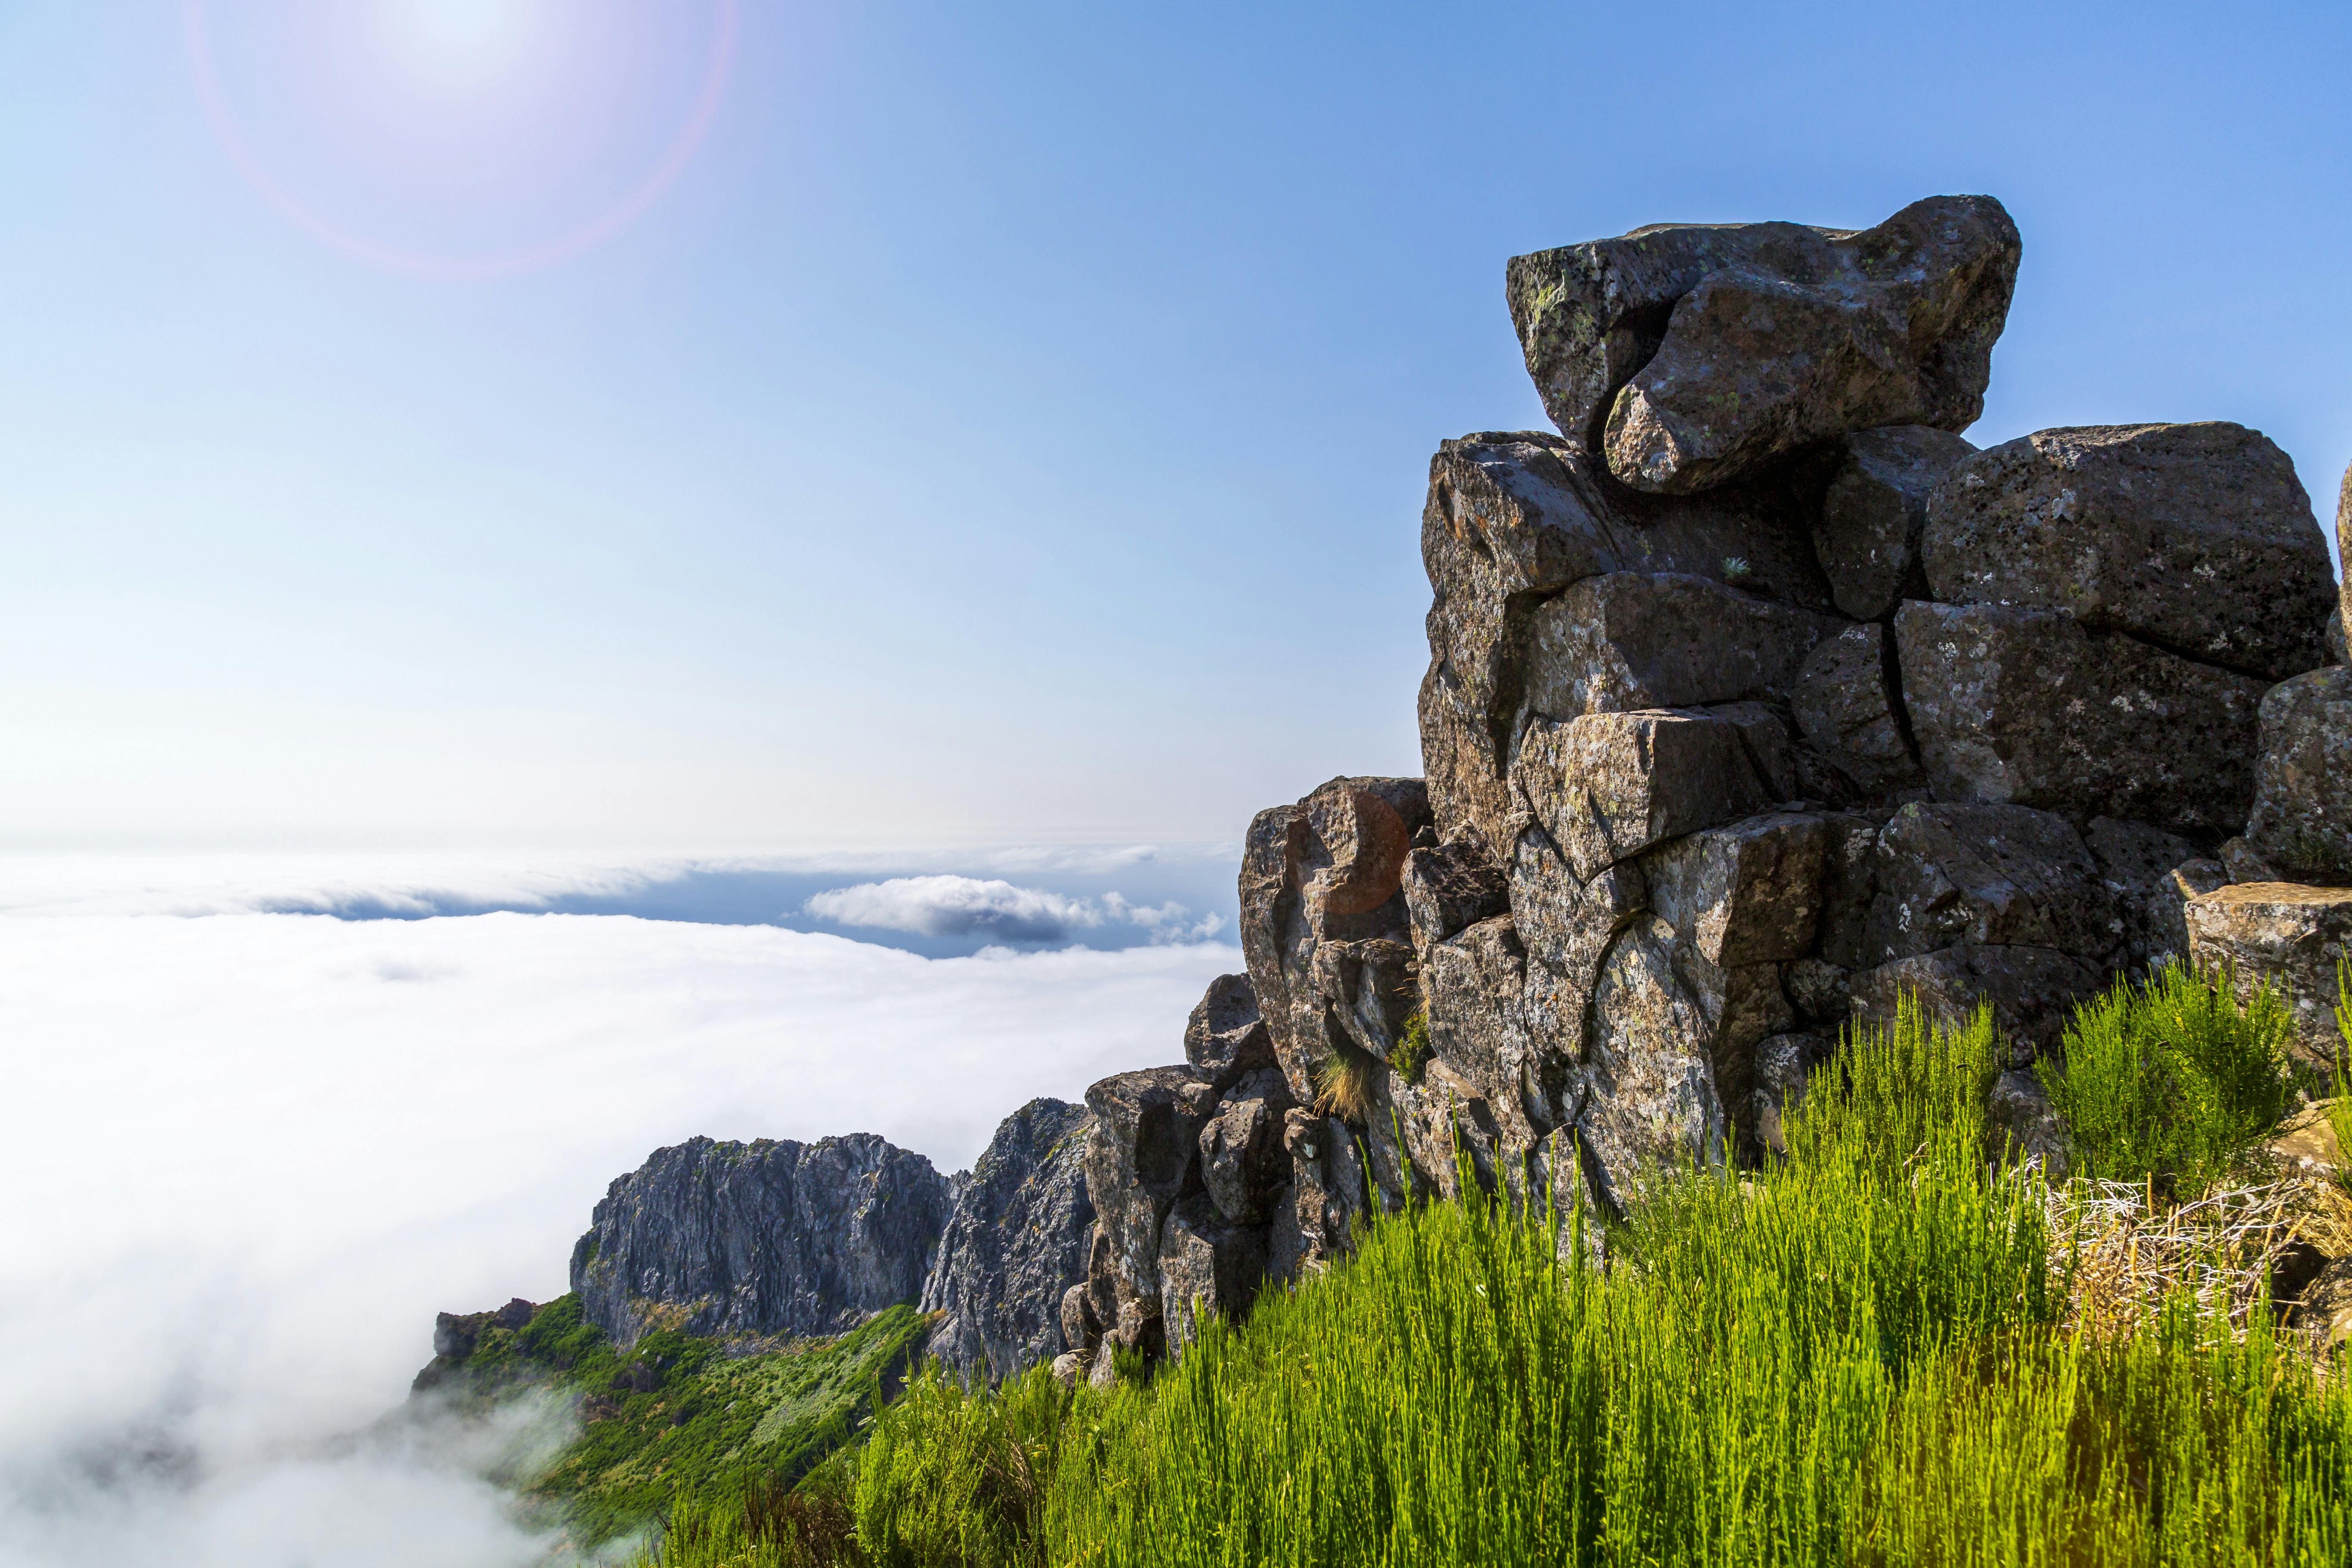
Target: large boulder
[2141, 864]
[1325, 927]
[1606, 786]
[2034, 990]
[750, 1240]
[1627, 640]
[1225, 1037]
[2302, 820]
[1015, 1244]
[1449, 888]
[1514, 520]
[2029, 707]
[1990, 876]
[1709, 348]
[1142, 1154]
[2289, 936]
[1874, 513]
[2198, 538]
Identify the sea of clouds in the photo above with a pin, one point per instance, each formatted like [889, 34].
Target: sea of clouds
[252, 1152]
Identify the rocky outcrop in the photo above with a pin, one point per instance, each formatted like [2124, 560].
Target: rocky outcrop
[1875, 511]
[1014, 1243]
[2196, 538]
[750, 1240]
[1695, 353]
[2292, 938]
[2302, 820]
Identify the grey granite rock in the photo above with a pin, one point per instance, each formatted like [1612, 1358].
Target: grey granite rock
[1143, 1153]
[1818, 331]
[1209, 1266]
[1015, 1244]
[2021, 1114]
[1874, 513]
[2029, 708]
[1845, 706]
[2302, 819]
[1242, 1157]
[1225, 1037]
[1746, 893]
[1324, 923]
[1512, 520]
[1450, 887]
[2288, 936]
[1892, 326]
[1627, 640]
[1989, 875]
[2197, 538]
[1606, 786]
[764, 1238]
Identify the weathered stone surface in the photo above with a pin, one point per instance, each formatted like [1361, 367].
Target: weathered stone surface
[2245, 863]
[2198, 538]
[2302, 819]
[1747, 893]
[2290, 935]
[1242, 1157]
[769, 1237]
[1327, 1194]
[1606, 786]
[1874, 513]
[1449, 888]
[1142, 1154]
[1015, 1244]
[1225, 1038]
[2029, 708]
[2031, 989]
[1812, 331]
[1653, 1099]
[1998, 875]
[1844, 706]
[1821, 991]
[1514, 519]
[1627, 640]
[1892, 326]
[1208, 1267]
[2138, 863]
[2019, 1112]
[1324, 923]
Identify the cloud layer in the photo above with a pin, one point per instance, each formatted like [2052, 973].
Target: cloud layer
[950, 906]
[252, 1155]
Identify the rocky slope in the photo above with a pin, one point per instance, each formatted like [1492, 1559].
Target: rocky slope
[1756, 697]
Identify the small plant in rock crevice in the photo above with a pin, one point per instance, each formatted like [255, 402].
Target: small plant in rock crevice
[1408, 1057]
[1343, 1087]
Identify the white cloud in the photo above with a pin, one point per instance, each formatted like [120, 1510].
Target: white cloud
[250, 1157]
[941, 906]
[957, 906]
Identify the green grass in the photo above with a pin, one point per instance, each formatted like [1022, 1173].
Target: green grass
[676, 1414]
[2339, 1108]
[1860, 1354]
[2171, 1079]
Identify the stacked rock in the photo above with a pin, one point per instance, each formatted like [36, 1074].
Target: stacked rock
[1757, 697]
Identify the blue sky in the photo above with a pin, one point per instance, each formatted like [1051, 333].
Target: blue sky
[1011, 423]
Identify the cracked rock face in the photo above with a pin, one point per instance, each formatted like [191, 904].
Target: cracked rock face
[2027, 706]
[2302, 819]
[1015, 1245]
[764, 1238]
[1874, 511]
[1694, 352]
[2196, 538]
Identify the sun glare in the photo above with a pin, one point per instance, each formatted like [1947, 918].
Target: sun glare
[463, 42]
[460, 138]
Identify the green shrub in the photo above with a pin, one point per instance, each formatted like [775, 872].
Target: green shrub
[2171, 1079]
[2339, 1108]
[1408, 1057]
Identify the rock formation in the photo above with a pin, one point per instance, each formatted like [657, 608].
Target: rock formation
[1758, 698]
[1015, 1242]
[750, 1240]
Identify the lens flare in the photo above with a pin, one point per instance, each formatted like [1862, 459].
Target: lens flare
[552, 127]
